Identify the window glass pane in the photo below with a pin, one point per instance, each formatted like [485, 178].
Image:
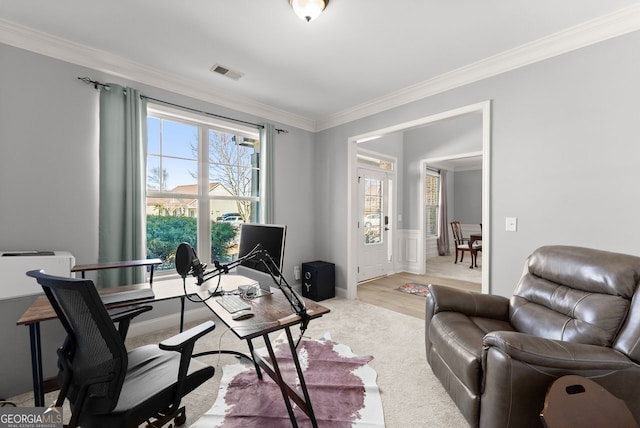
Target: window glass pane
[372, 211]
[225, 230]
[179, 140]
[165, 232]
[228, 190]
[432, 201]
[153, 136]
[181, 176]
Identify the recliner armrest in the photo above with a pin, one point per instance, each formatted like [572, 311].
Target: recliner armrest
[555, 353]
[179, 341]
[448, 299]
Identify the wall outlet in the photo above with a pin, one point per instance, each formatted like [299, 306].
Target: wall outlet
[511, 224]
[296, 273]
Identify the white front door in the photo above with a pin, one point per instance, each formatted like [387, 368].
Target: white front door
[374, 228]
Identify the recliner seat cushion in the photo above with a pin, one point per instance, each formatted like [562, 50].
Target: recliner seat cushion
[458, 339]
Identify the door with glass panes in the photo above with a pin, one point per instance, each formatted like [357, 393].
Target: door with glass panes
[374, 228]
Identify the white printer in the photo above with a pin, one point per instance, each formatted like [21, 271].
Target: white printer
[14, 264]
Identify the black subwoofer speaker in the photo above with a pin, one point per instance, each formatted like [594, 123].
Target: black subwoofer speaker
[318, 280]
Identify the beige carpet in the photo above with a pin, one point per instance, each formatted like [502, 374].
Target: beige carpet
[411, 395]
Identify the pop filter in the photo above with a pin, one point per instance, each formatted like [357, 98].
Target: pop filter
[184, 259]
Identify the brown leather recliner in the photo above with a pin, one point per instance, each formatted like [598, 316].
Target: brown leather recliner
[574, 311]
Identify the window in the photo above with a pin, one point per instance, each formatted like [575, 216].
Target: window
[432, 201]
[202, 183]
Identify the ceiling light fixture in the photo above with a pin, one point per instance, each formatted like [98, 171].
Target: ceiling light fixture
[308, 9]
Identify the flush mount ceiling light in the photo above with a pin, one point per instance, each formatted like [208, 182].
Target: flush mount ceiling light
[308, 9]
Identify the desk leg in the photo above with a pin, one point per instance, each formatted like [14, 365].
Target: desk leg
[303, 384]
[280, 381]
[36, 364]
[181, 313]
[255, 363]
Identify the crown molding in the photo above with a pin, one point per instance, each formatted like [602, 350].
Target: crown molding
[45, 44]
[603, 28]
[606, 27]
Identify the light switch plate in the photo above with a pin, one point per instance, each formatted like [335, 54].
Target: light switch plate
[511, 224]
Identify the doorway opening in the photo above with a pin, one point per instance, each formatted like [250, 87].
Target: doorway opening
[484, 109]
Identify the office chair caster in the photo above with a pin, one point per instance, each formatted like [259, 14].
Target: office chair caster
[180, 418]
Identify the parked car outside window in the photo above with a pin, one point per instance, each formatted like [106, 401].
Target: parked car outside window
[372, 220]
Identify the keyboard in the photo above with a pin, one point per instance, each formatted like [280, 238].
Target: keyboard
[129, 295]
[233, 303]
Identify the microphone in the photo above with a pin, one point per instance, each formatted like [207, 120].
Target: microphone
[187, 262]
[197, 268]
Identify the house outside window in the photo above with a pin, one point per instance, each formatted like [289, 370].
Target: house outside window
[202, 184]
[432, 202]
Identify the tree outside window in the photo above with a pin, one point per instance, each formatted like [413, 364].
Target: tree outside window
[195, 167]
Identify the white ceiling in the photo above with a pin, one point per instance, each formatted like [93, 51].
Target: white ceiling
[356, 54]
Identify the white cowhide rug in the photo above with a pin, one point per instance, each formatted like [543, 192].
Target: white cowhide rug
[342, 388]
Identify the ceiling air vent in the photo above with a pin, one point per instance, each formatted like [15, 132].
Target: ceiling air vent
[225, 71]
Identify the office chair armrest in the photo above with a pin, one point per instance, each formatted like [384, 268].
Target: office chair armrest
[180, 341]
[130, 313]
[124, 318]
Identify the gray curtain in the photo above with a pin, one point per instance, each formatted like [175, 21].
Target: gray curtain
[267, 172]
[443, 239]
[123, 133]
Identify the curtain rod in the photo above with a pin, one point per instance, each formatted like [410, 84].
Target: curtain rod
[98, 85]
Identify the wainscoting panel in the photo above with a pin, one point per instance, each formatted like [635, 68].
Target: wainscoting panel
[411, 255]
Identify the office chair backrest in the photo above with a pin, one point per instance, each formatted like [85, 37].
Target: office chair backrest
[94, 355]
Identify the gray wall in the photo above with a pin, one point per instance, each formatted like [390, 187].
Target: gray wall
[450, 137]
[49, 183]
[467, 196]
[564, 156]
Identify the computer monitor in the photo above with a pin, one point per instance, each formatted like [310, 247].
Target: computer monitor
[272, 238]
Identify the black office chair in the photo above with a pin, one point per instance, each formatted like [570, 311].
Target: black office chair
[108, 386]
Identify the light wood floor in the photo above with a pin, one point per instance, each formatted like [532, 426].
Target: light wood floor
[381, 291]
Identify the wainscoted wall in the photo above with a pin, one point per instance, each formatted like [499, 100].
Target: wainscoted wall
[411, 258]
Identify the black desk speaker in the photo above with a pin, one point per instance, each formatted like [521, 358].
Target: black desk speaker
[318, 280]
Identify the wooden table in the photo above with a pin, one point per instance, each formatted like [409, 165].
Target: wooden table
[273, 313]
[474, 253]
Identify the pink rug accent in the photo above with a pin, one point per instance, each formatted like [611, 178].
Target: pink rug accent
[414, 288]
[342, 387]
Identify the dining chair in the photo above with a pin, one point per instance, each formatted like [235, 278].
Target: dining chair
[462, 244]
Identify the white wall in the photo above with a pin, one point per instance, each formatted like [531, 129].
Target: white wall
[564, 156]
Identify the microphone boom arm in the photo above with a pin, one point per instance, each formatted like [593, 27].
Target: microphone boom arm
[262, 256]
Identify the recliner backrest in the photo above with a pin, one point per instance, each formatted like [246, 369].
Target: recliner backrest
[579, 295]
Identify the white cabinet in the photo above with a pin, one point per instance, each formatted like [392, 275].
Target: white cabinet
[13, 279]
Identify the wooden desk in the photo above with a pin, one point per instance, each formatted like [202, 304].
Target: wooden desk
[116, 265]
[474, 253]
[273, 313]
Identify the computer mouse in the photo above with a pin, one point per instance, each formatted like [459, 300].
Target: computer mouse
[241, 315]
